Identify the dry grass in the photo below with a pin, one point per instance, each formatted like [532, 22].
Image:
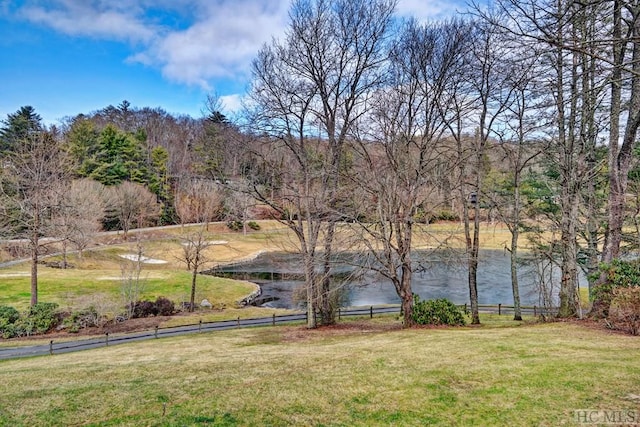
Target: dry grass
[363, 373]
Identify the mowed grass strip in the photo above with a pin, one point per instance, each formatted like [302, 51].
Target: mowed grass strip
[68, 287]
[362, 373]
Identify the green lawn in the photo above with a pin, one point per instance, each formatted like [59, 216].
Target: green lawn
[364, 373]
[75, 288]
[98, 275]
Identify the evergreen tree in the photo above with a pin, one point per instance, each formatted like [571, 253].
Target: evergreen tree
[19, 126]
[119, 157]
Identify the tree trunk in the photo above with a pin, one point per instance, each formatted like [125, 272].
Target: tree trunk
[473, 243]
[64, 254]
[192, 301]
[406, 296]
[35, 242]
[310, 280]
[473, 286]
[326, 303]
[569, 249]
[517, 312]
[34, 273]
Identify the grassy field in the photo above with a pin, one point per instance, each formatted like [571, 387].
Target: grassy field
[365, 372]
[98, 273]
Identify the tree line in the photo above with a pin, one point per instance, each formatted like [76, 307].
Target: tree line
[359, 124]
[524, 109]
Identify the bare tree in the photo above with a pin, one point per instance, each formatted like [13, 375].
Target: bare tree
[572, 46]
[195, 245]
[516, 137]
[77, 215]
[477, 97]
[132, 284]
[31, 179]
[318, 81]
[132, 204]
[199, 200]
[624, 111]
[398, 158]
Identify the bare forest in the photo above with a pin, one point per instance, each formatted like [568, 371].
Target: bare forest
[360, 131]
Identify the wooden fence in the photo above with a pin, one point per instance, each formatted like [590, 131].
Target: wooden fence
[108, 340]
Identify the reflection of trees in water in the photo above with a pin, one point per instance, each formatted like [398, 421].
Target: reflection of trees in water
[544, 270]
[437, 275]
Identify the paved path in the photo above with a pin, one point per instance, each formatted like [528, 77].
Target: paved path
[109, 340]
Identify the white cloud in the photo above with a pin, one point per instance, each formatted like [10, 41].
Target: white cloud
[192, 42]
[220, 37]
[231, 103]
[81, 18]
[428, 10]
[221, 43]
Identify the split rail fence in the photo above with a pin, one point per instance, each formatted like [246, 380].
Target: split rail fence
[109, 340]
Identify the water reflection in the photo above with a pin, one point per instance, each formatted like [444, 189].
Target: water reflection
[279, 274]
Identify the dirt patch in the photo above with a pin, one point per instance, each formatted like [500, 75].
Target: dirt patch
[302, 333]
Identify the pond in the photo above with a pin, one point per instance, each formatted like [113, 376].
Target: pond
[279, 274]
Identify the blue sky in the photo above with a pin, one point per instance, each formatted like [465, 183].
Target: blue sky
[66, 57]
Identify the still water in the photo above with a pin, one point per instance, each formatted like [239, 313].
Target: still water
[279, 274]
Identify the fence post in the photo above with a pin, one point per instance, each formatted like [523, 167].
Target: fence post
[156, 332]
[200, 326]
[51, 347]
[273, 322]
[371, 312]
[106, 340]
[465, 307]
[339, 314]
[238, 322]
[534, 311]
[499, 309]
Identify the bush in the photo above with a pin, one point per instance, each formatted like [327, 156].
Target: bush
[624, 313]
[40, 318]
[161, 307]
[619, 274]
[81, 319]
[253, 225]
[165, 307]
[437, 312]
[234, 225]
[9, 314]
[8, 318]
[445, 215]
[8, 330]
[144, 309]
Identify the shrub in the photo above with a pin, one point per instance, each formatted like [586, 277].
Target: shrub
[624, 313]
[446, 215]
[437, 312]
[161, 307]
[9, 314]
[8, 330]
[144, 309]
[234, 225]
[619, 274]
[253, 225]
[8, 318]
[87, 318]
[39, 319]
[165, 307]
